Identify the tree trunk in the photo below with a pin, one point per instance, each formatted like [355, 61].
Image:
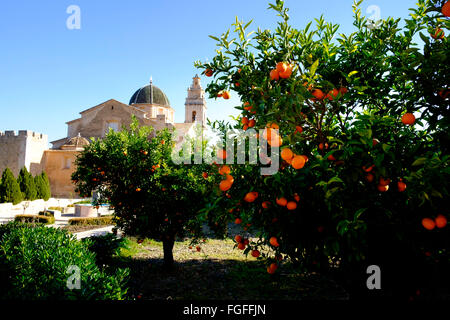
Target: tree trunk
[168, 244]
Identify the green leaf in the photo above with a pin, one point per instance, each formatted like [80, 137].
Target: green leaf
[314, 66]
[419, 162]
[352, 73]
[214, 38]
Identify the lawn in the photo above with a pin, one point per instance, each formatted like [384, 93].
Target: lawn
[217, 272]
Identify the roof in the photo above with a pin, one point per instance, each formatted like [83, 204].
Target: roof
[150, 94]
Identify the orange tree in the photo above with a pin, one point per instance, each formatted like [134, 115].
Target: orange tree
[360, 175]
[133, 171]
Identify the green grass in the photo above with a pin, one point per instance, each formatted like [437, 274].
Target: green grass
[216, 272]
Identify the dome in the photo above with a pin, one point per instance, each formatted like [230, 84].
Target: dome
[150, 94]
[75, 143]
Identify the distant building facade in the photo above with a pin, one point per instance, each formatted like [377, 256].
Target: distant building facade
[148, 104]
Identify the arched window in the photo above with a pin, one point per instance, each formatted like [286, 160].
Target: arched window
[193, 116]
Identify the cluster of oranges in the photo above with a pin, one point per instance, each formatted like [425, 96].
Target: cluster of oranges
[296, 161]
[440, 221]
[283, 70]
[319, 95]
[247, 123]
[290, 205]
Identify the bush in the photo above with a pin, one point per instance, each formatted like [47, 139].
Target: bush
[34, 264]
[105, 247]
[56, 208]
[31, 218]
[9, 188]
[94, 221]
[27, 185]
[46, 191]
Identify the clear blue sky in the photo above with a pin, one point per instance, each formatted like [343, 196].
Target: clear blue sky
[50, 73]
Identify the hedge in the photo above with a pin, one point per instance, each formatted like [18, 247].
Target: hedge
[34, 264]
[30, 218]
[94, 221]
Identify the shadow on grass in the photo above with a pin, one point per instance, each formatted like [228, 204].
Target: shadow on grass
[224, 279]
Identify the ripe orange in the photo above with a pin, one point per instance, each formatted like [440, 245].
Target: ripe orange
[225, 185]
[382, 188]
[343, 90]
[226, 95]
[287, 154]
[275, 141]
[272, 268]
[241, 246]
[298, 129]
[219, 95]
[244, 120]
[282, 66]
[408, 118]
[298, 162]
[274, 75]
[286, 74]
[251, 123]
[401, 186]
[446, 9]
[198, 248]
[281, 201]
[370, 177]
[208, 72]
[245, 127]
[439, 34]
[296, 197]
[238, 238]
[265, 204]
[255, 253]
[138, 189]
[428, 223]
[332, 94]
[331, 157]
[250, 197]
[229, 178]
[274, 242]
[375, 142]
[321, 146]
[441, 221]
[237, 84]
[291, 205]
[224, 169]
[384, 182]
[222, 154]
[318, 94]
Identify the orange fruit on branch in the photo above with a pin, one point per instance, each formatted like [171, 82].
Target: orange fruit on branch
[244, 120]
[208, 72]
[274, 242]
[265, 204]
[241, 246]
[252, 123]
[282, 66]
[281, 201]
[439, 34]
[238, 238]
[287, 154]
[384, 182]
[272, 268]
[224, 169]
[255, 253]
[291, 205]
[274, 75]
[428, 223]
[238, 221]
[401, 186]
[382, 188]
[408, 118]
[226, 95]
[441, 221]
[298, 162]
[446, 9]
[318, 94]
[225, 185]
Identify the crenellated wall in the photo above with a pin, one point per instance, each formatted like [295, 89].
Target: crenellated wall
[25, 148]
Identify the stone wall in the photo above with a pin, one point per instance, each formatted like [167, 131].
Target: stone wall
[23, 149]
[59, 166]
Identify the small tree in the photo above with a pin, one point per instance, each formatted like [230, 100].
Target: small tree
[151, 195]
[46, 191]
[9, 188]
[40, 186]
[26, 183]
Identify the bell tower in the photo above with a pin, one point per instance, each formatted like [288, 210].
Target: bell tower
[195, 105]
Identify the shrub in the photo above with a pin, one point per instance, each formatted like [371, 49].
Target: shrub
[56, 208]
[9, 188]
[34, 264]
[31, 218]
[46, 190]
[26, 183]
[94, 221]
[105, 247]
